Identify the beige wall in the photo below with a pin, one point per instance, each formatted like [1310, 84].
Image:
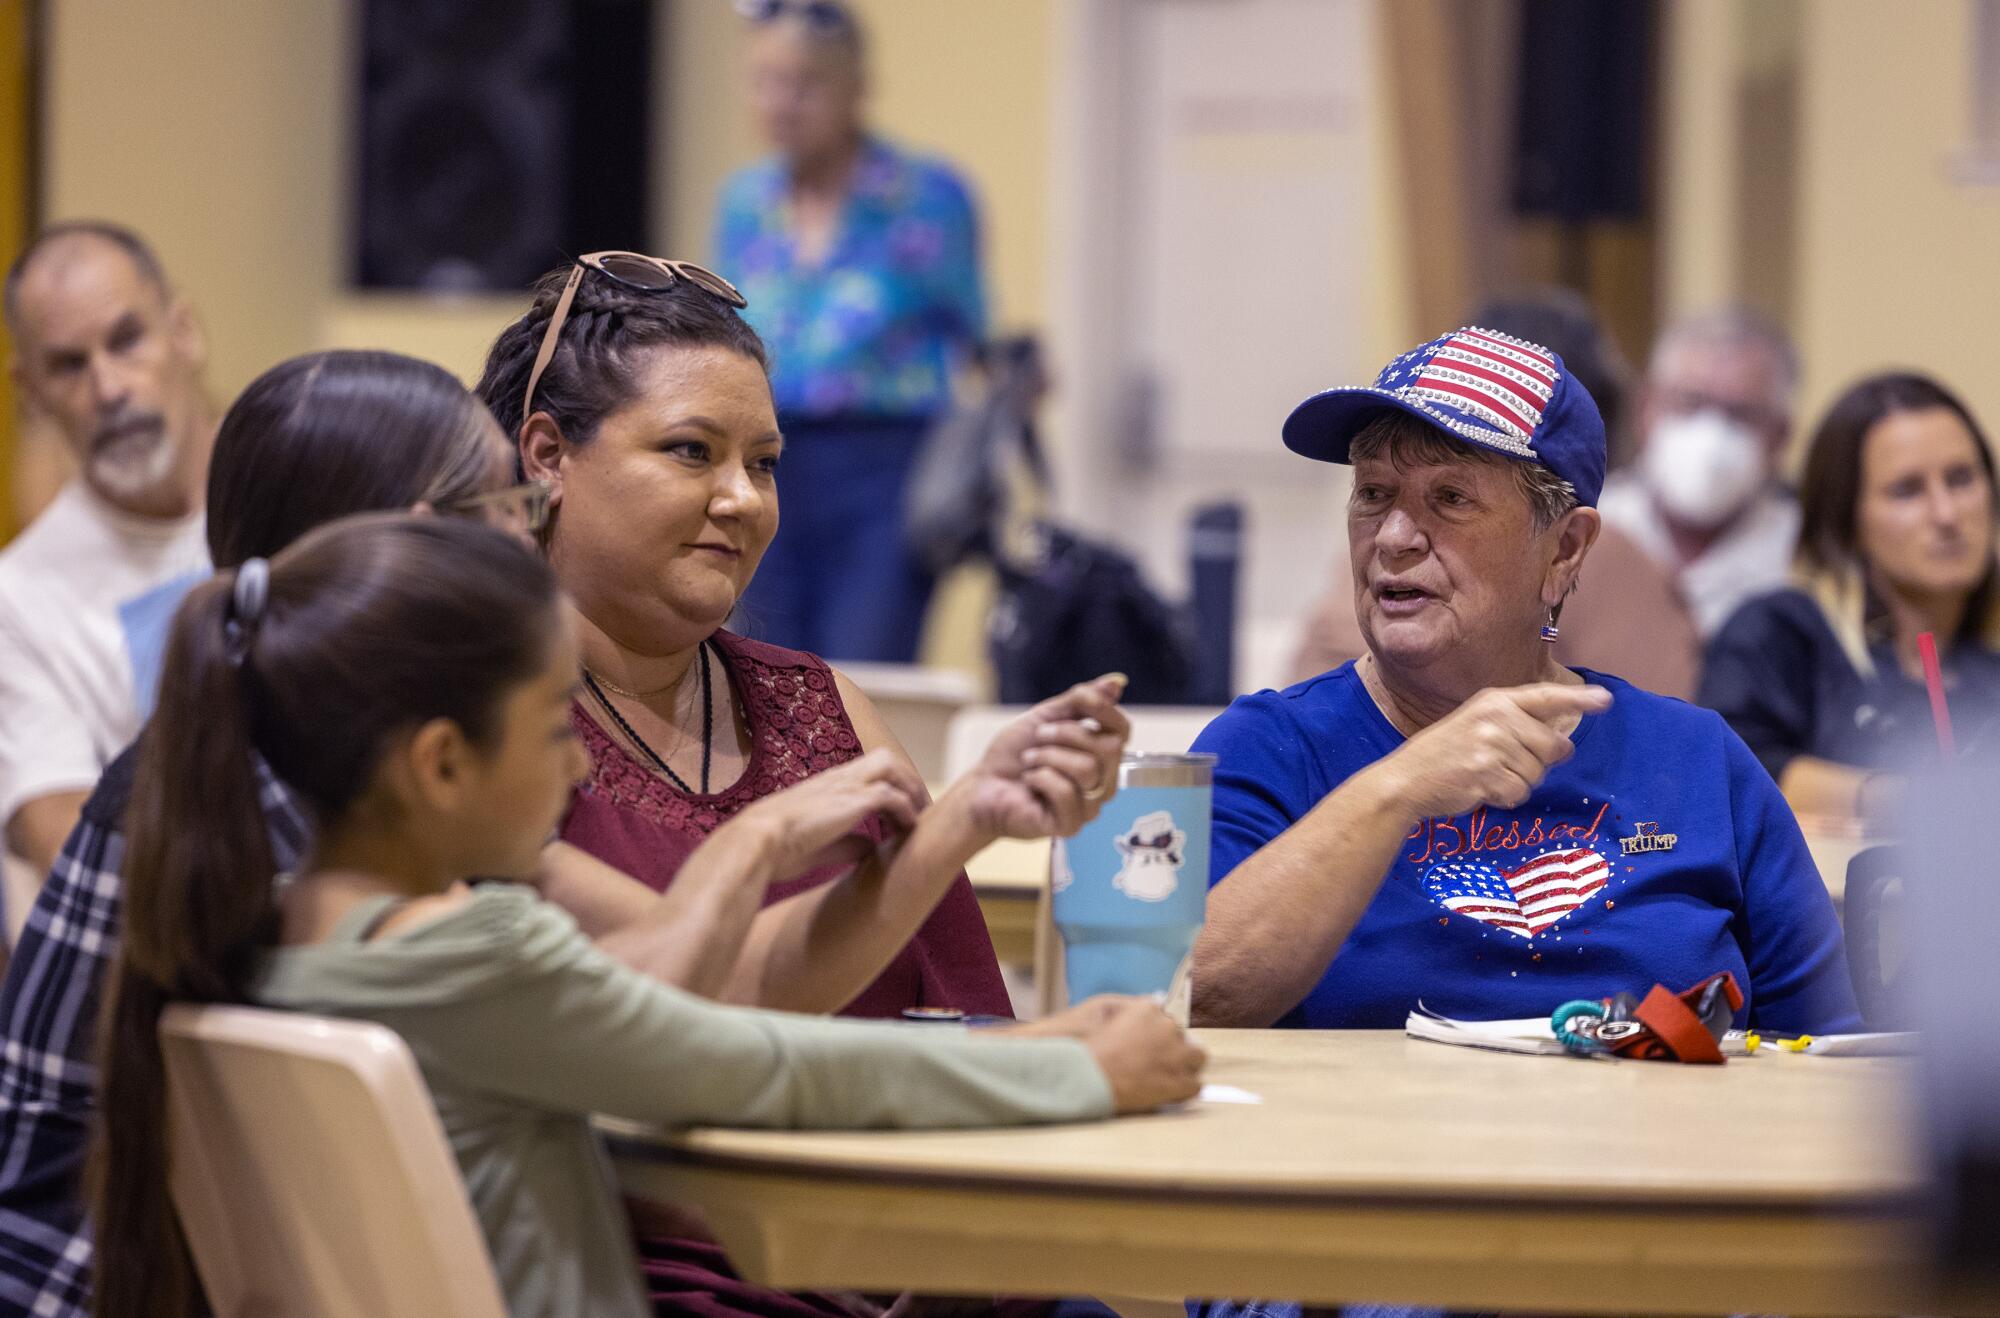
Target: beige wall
[1885, 257]
[1898, 261]
[212, 126]
[236, 172]
[219, 128]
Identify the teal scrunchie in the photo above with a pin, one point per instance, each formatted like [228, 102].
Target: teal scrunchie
[1559, 1022]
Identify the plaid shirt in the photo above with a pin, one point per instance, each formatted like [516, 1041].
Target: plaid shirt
[48, 1025]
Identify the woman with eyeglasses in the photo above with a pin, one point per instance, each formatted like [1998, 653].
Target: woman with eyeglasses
[640, 396]
[1901, 522]
[861, 264]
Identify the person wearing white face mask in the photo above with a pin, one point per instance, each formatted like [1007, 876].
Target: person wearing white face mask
[1703, 499]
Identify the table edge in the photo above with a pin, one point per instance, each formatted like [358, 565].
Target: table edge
[637, 1142]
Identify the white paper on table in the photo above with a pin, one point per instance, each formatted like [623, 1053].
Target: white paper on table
[1530, 1035]
[1228, 1094]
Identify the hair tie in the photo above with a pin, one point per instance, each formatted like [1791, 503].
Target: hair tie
[246, 607]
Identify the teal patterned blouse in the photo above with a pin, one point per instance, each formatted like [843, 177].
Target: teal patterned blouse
[879, 327]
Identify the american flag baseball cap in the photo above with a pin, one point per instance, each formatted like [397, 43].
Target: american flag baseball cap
[1483, 387]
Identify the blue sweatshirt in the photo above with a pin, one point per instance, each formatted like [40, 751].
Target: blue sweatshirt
[1661, 852]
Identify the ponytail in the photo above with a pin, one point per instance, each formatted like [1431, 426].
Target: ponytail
[308, 667]
[198, 903]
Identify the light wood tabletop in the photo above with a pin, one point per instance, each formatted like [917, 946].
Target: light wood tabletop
[1376, 1168]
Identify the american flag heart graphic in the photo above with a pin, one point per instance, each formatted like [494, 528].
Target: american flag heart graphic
[1525, 900]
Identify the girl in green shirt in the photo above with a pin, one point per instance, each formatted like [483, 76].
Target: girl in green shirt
[410, 679]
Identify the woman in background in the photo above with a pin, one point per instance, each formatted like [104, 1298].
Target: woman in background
[1823, 680]
[861, 265]
[410, 679]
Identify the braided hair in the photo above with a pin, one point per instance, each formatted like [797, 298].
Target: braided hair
[595, 370]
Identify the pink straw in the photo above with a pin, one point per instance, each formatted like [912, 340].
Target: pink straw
[1934, 679]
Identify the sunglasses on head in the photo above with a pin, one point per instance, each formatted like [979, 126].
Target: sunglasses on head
[821, 14]
[648, 274]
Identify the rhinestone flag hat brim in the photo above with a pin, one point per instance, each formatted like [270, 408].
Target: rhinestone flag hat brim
[1504, 394]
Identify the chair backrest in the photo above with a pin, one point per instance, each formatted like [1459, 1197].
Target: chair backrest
[1155, 728]
[1874, 918]
[310, 1172]
[918, 704]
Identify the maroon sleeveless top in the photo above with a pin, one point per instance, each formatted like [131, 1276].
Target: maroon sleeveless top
[626, 815]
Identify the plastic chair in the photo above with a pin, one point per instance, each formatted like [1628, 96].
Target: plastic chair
[310, 1172]
[1873, 916]
[918, 704]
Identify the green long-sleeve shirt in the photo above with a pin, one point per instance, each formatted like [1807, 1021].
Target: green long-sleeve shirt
[524, 1029]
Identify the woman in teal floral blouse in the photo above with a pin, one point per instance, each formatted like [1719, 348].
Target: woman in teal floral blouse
[861, 266]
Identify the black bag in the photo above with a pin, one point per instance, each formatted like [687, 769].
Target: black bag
[1072, 609]
[957, 498]
[1069, 608]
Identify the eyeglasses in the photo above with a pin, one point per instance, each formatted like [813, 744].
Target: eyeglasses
[517, 508]
[821, 14]
[648, 274]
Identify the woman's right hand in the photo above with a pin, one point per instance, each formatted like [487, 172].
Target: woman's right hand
[814, 823]
[1494, 749]
[1148, 1060]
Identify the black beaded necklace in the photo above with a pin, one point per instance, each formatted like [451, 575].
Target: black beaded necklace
[632, 734]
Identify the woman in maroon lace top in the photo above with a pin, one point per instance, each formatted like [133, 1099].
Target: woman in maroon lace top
[642, 399]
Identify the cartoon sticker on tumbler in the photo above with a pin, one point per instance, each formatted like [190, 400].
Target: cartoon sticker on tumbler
[1153, 850]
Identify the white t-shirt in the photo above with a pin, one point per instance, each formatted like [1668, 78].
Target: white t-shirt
[1753, 557]
[86, 595]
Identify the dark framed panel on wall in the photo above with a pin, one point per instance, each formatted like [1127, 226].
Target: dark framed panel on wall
[497, 137]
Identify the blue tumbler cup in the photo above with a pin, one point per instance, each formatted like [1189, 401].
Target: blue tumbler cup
[1130, 890]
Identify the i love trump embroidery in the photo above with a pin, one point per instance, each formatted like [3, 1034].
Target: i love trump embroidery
[1523, 900]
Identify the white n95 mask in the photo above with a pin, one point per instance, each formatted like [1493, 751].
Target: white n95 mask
[1703, 467]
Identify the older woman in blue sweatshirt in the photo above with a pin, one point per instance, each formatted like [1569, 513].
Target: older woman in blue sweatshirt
[1456, 818]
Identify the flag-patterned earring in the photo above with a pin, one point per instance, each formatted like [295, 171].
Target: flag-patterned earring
[1549, 628]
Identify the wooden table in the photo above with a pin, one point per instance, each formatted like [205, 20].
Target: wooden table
[1010, 877]
[1378, 1168]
